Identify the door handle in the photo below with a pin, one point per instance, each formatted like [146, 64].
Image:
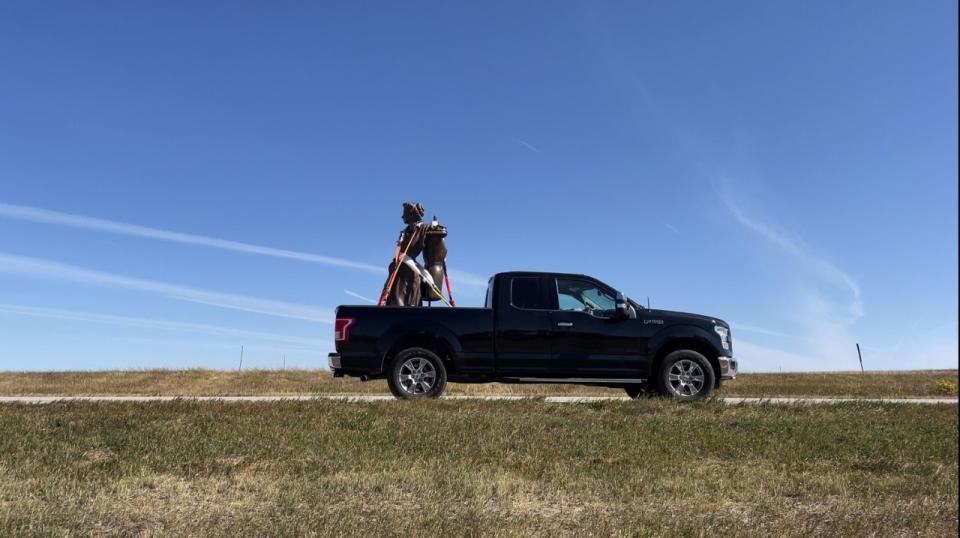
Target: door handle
[564, 324]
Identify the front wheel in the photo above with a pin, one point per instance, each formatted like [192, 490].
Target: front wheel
[686, 375]
[417, 373]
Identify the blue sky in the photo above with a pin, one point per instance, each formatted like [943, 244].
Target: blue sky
[178, 179]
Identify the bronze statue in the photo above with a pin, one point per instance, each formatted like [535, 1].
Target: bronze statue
[435, 259]
[411, 284]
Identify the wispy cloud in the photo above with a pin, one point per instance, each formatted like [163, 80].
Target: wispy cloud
[361, 297]
[823, 322]
[527, 145]
[671, 227]
[160, 324]
[757, 358]
[759, 330]
[43, 269]
[463, 277]
[46, 216]
[248, 361]
[933, 345]
[795, 248]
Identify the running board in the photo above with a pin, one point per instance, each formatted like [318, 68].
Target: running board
[578, 380]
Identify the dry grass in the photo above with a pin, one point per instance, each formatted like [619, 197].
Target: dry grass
[467, 468]
[916, 384]
[904, 384]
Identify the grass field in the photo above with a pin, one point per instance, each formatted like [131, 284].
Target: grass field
[917, 384]
[465, 468]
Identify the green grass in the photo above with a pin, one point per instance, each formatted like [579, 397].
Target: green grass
[915, 384]
[465, 468]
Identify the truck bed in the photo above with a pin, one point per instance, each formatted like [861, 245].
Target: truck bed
[468, 332]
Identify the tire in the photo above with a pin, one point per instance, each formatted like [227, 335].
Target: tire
[417, 373]
[686, 376]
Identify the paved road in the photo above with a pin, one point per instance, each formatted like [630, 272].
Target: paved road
[380, 398]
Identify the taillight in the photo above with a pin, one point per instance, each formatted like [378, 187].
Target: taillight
[341, 329]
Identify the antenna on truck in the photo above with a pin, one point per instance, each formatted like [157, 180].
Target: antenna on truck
[648, 302]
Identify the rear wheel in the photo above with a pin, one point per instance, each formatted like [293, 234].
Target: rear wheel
[686, 375]
[417, 373]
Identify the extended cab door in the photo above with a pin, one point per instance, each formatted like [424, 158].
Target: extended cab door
[523, 327]
[589, 338]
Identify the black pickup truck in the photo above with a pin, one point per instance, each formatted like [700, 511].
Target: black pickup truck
[536, 328]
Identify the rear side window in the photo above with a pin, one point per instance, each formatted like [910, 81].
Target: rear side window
[525, 293]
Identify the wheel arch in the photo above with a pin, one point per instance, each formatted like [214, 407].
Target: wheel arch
[432, 336]
[692, 338]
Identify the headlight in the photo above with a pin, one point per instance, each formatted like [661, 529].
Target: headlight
[724, 336]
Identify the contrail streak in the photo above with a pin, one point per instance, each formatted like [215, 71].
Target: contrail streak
[148, 323]
[358, 296]
[46, 216]
[37, 268]
[528, 145]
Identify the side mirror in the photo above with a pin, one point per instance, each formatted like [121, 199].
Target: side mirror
[624, 310]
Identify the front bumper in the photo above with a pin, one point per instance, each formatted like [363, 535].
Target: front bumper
[728, 368]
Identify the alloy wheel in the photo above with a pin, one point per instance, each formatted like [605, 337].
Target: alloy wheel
[686, 378]
[417, 375]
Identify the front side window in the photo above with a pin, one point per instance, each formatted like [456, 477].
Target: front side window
[587, 297]
[525, 293]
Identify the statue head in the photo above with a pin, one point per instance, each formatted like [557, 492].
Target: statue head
[412, 212]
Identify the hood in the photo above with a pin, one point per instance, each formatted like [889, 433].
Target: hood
[679, 316]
